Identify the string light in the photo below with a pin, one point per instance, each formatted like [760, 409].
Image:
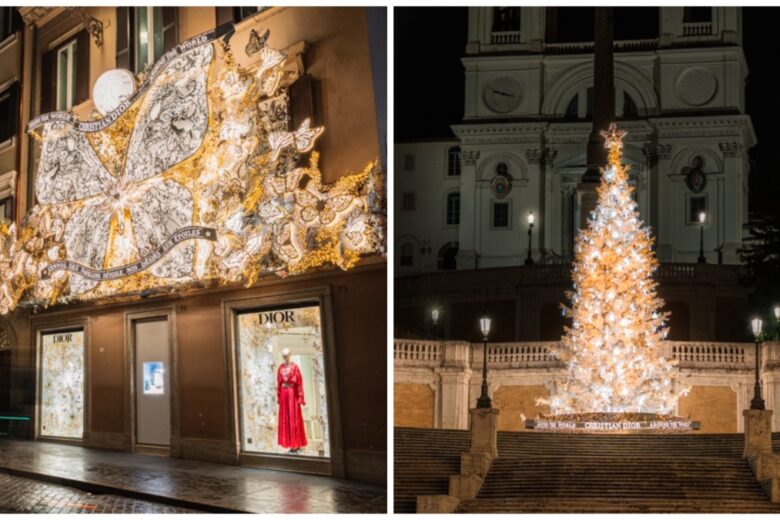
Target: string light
[613, 350]
[270, 215]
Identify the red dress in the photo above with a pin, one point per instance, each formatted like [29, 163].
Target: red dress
[289, 392]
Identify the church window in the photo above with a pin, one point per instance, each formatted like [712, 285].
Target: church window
[453, 208]
[407, 255]
[506, 19]
[453, 162]
[501, 215]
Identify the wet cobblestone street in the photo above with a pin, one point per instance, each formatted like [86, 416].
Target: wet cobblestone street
[24, 495]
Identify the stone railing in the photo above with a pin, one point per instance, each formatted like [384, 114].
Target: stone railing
[582, 47]
[520, 355]
[697, 29]
[504, 37]
[688, 354]
[423, 353]
[695, 354]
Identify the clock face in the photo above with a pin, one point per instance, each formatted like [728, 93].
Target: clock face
[111, 88]
[502, 94]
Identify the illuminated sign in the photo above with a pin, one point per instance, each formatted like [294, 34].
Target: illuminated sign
[195, 176]
[154, 378]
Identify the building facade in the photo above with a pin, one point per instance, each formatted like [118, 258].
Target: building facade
[190, 371]
[463, 201]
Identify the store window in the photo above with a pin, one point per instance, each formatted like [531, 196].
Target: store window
[281, 368]
[61, 397]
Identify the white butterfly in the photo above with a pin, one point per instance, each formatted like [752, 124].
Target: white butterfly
[133, 213]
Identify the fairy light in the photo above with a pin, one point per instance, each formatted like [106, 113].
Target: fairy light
[613, 350]
[271, 215]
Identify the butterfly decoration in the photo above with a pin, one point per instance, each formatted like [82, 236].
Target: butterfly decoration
[196, 179]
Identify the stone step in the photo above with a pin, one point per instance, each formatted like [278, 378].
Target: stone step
[555, 472]
[621, 505]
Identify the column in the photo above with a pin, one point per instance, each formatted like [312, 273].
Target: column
[455, 375]
[467, 252]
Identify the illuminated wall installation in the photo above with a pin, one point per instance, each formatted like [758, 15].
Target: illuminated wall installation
[62, 384]
[195, 178]
[261, 337]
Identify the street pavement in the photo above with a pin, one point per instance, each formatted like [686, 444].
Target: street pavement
[24, 495]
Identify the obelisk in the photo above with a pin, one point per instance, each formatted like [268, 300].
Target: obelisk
[603, 109]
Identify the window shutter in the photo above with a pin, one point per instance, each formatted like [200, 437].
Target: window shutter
[225, 14]
[125, 48]
[301, 101]
[49, 81]
[170, 28]
[13, 123]
[82, 66]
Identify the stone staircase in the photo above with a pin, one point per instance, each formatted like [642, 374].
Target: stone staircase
[558, 472]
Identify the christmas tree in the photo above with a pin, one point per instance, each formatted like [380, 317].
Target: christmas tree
[613, 350]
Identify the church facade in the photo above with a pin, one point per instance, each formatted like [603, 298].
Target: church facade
[463, 201]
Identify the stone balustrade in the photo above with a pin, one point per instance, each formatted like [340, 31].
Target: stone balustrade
[688, 354]
[697, 28]
[423, 353]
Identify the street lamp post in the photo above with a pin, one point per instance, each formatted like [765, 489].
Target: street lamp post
[435, 319]
[702, 218]
[530, 260]
[777, 322]
[757, 403]
[484, 398]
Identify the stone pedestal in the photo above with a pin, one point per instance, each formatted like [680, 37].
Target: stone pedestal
[436, 504]
[475, 463]
[758, 432]
[484, 425]
[465, 487]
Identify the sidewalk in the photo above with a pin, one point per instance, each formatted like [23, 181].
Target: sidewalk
[187, 483]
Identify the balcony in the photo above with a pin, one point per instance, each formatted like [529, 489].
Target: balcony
[505, 37]
[693, 29]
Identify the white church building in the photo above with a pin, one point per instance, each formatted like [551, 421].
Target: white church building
[463, 202]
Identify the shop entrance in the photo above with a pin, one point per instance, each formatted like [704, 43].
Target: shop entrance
[152, 363]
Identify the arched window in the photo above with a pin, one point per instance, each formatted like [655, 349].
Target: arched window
[446, 260]
[407, 255]
[453, 162]
[629, 106]
[453, 208]
[572, 111]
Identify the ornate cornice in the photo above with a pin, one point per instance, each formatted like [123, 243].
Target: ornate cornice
[730, 148]
[469, 157]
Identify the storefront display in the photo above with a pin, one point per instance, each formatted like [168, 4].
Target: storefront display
[283, 404]
[62, 384]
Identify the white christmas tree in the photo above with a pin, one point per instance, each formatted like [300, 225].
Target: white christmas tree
[613, 350]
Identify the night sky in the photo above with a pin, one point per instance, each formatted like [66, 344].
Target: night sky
[429, 80]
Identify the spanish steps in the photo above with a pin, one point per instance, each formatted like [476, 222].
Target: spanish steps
[559, 472]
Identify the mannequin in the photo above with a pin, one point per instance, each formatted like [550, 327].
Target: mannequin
[289, 393]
